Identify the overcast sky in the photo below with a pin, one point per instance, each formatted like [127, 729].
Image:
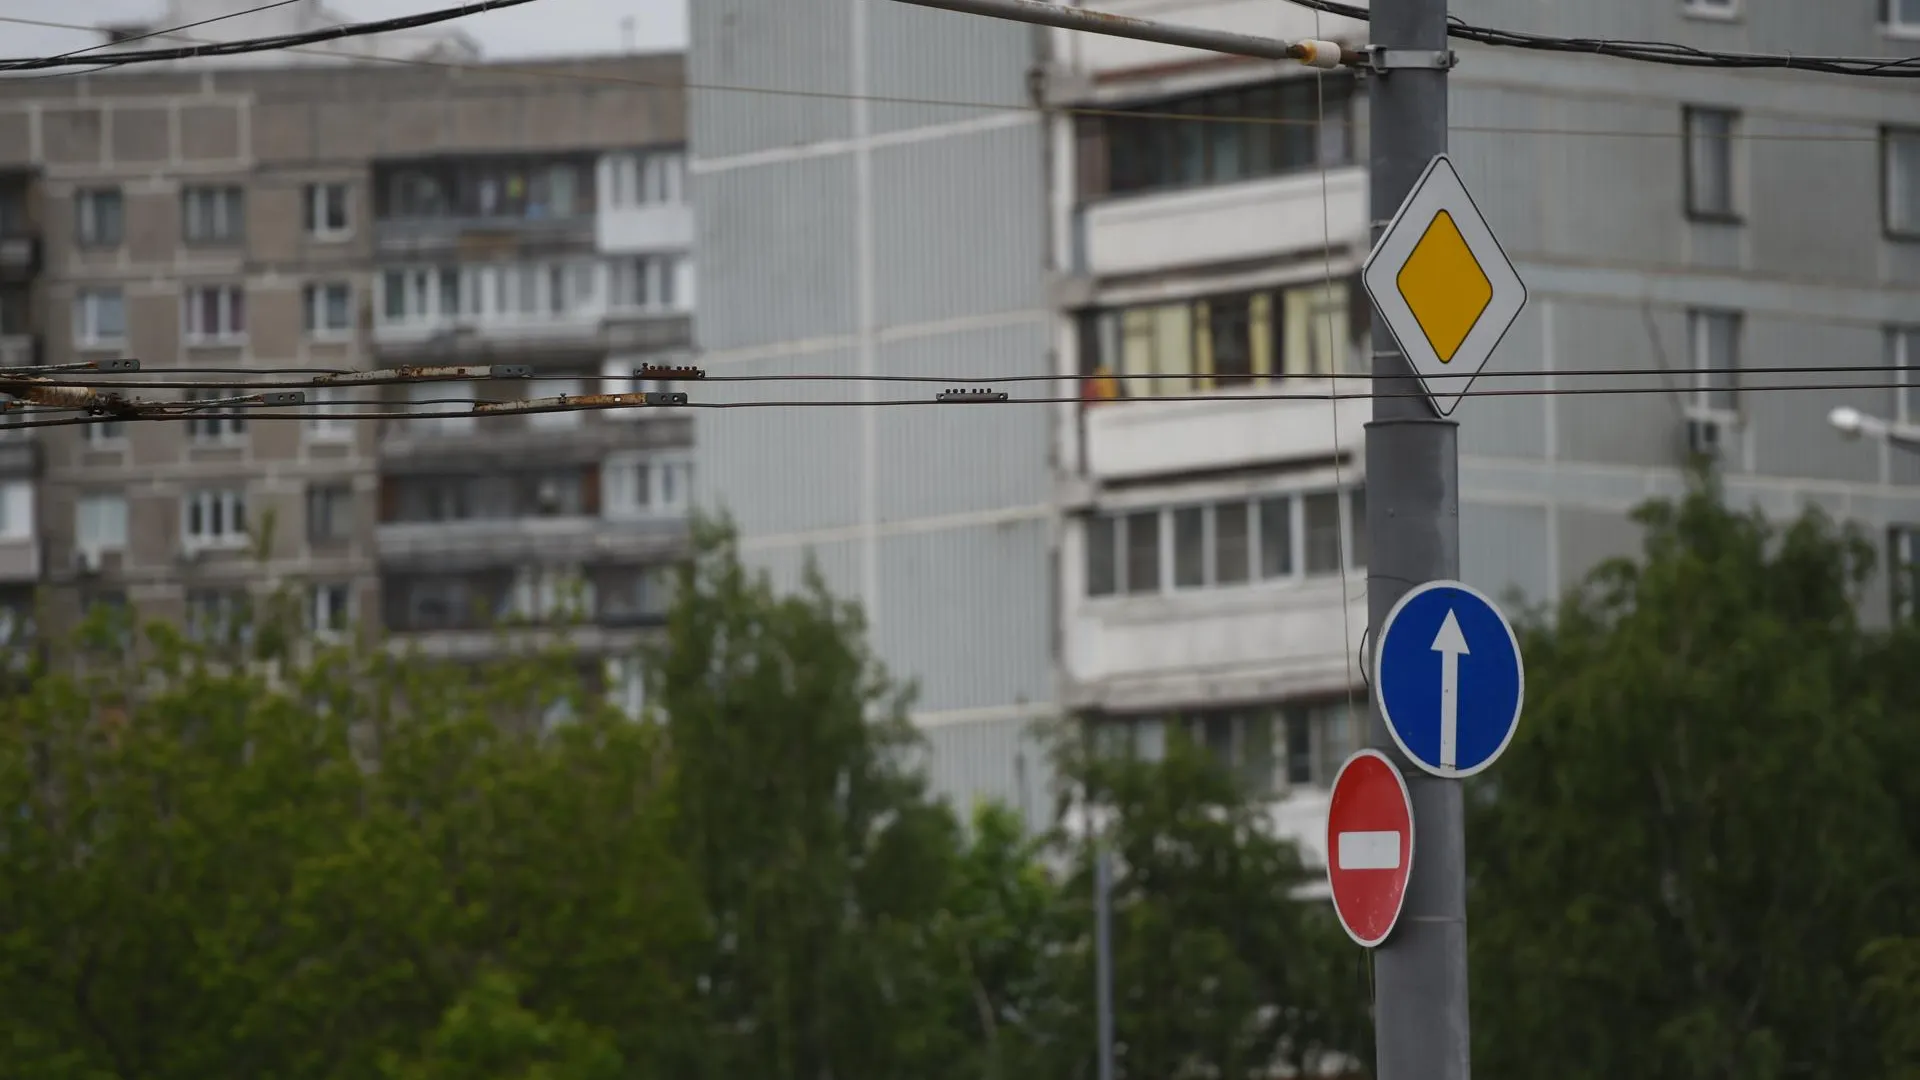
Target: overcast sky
[541, 28]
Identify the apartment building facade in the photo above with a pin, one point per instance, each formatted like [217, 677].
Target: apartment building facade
[848, 229]
[1206, 559]
[236, 220]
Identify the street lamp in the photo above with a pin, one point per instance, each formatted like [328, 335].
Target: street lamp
[1851, 423]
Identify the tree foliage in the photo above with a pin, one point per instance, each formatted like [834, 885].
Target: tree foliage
[265, 859]
[1698, 829]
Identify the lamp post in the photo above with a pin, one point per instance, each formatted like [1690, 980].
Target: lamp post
[1852, 423]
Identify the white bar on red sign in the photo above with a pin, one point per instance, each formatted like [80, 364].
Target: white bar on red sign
[1369, 851]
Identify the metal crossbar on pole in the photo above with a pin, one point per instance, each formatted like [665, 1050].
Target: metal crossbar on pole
[1321, 54]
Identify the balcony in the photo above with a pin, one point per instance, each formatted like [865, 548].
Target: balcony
[484, 208]
[484, 542]
[1230, 223]
[20, 257]
[1141, 440]
[505, 311]
[1237, 590]
[482, 237]
[494, 443]
[603, 606]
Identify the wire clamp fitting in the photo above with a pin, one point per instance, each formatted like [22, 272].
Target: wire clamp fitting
[1383, 60]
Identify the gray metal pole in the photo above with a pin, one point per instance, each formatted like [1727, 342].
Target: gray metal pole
[1413, 536]
[1103, 957]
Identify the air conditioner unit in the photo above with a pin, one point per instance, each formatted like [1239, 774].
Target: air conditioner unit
[1708, 434]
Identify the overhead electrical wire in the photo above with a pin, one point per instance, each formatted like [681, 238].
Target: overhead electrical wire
[172, 31]
[1867, 134]
[274, 43]
[1653, 52]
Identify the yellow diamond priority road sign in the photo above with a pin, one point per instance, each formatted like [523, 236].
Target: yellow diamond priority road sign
[1443, 285]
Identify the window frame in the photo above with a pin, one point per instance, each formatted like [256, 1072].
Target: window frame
[230, 305]
[336, 498]
[1903, 353]
[345, 608]
[1890, 184]
[317, 202]
[227, 209]
[313, 303]
[1893, 22]
[86, 304]
[96, 499]
[1700, 322]
[1712, 10]
[1117, 525]
[86, 218]
[323, 428]
[1136, 151]
[1690, 141]
[218, 431]
[231, 503]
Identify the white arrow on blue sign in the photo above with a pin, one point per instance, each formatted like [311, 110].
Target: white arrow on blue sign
[1448, 674]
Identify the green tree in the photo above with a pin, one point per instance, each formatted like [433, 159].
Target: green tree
[1224, 963]
[1677, 865]
[822, 860]
[489, 1035]
[295, 869]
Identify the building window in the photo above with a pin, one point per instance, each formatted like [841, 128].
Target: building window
[1903, 354]
[1711, 9]
[329, 514]
[100, 317]
[329, 608]
[215, 313]
[1903, 566]
[100, 522]
[329, 309]
[549, 592]
[218, 616]
[652, 283]
[213, 519]
[326, 424]
[16, 510]
[1901, 16]
[1222, 342]
[1714, 337]
[1159, 150]
[326, 211]
[646, 179]
[1710, 177]
[99, 217]
[1903, 563]
[212, 426]
[1900, 149]
[1270, 748]
[213, 215]
[1226, 543]
[525, 189]
[639, 487]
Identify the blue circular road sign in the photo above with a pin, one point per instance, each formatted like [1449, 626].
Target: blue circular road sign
[1448, 674]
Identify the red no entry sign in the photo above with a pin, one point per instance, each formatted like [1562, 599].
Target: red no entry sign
[1369, 846]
